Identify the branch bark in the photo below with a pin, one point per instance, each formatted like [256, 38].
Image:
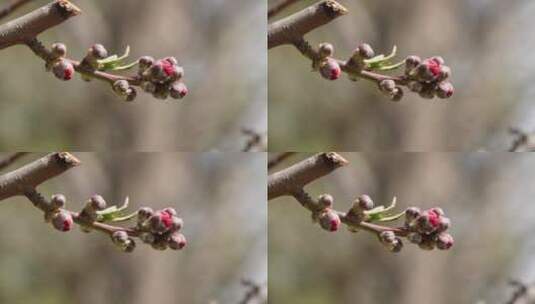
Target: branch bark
[27, 27]
[33, 174]
[294, 178]
[11, 7]
[294, 27]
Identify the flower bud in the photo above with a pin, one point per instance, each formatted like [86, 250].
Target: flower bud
[63, 69]
[397, 94]
[156, 72]
[433, 66]
[412, 213]
[129, 246]
[176, 223]
[62, 221]
[59, 50]
[144, 214]
[121, 87]
[387, 85]
[98, 51]
[330, 69]
[396, 246]
[131, 94]
[160, 222]
[387, 237]
[445, 73]
[97, 202]
[437, 210]
[145, 62]
[365, 51]
[326, 50]
[445, 89]
[412, 62]
[365, 202]
[177, 241]
[439, 60]
[57, 201]
[119, 237]
[443, 224]
[170, 211]
[444, 241]
[325, 201]
[329, 220]
[178, 90]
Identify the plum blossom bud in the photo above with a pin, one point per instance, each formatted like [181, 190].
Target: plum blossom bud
[130, 95]
[365, 51]
[365, 202]
[445, 89]
[387, 85]
[178, 90]
[62, 221]
[97, 202]
[57, 201]
[144, 214]
[121, 87]
[63, 69]
[444, 241]
[412, 213]
[326, 50]
[145, 62]
[444, 224]
[412, 62]
[129, 246]
[330, 69]
[119, 237]
[177, 241]
[397, 94]
[59, 50]
[98, 51]
[329, 220]
[445, 73]
[387, 237]
[325, 201]
[176, 223]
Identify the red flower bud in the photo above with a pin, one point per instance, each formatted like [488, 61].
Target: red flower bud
[177, 241]
[178, 90]
[63, 69]
[62, 221]
[445, 89]
[329, 220]
[444, 241]
[330, 69]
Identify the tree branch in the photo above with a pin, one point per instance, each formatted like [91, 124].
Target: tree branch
[33, 174]
[294, 178]
[280, 6]
[8, 160]
[293, 27]
[425, 228]
[27, 27]
[11, 7]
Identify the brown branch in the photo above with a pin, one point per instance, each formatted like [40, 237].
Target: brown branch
[279, 7]
[521, 290]
[27, 27]
[294, 27]
[11, 7]
[277, 159]
[254, 291]
[254, 140]
[522, 141]
[294, 178]
[33, 174]
[8, 160]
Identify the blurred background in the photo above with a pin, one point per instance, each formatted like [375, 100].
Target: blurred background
[487, 196]
[485, 42]
[218, 196]
[220, 44]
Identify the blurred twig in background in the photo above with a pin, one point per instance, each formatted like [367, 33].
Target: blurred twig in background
[277, 159]
[10, 7]
[523, 141]
[255, 140]
[8, 160]
[253, 292]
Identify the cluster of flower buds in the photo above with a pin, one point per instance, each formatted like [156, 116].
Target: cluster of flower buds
[161, 78]
[160, 228]
[89, 213]
[60, 218]
[428, 228]
[327, 65]
[62, 68]
[357, 212]
[327, 217]
[428, 77]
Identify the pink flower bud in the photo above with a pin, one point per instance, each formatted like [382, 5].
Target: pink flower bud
[144, 214]
[411, 62]
[365, 51]
[412, 213]
[177, 241]
[387, 85]
[325, 201]
[62, 221]
[329, 220]
[326, 50]
[170, 211]
[145, 62]
[98, 51]
[365, 202]
[433, 65]
[57, 201]
[178, 90]
[63, 69]
[445, 89]
[97, 202]
[330, 69]
[59, 50]
[444, 241]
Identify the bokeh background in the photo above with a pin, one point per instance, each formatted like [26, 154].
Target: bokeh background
[220, 196]
[487, 196]
[484, 41]
[220, 44]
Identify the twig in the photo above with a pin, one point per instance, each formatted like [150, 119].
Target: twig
[280, 6]
[27, 27]
[277, 159]
[11, 7]
[294, 27]
[254, 290]
[520, 292]
[294, 178]
[521, 141]
[8, 160]
[254, 140]
[32, 175]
